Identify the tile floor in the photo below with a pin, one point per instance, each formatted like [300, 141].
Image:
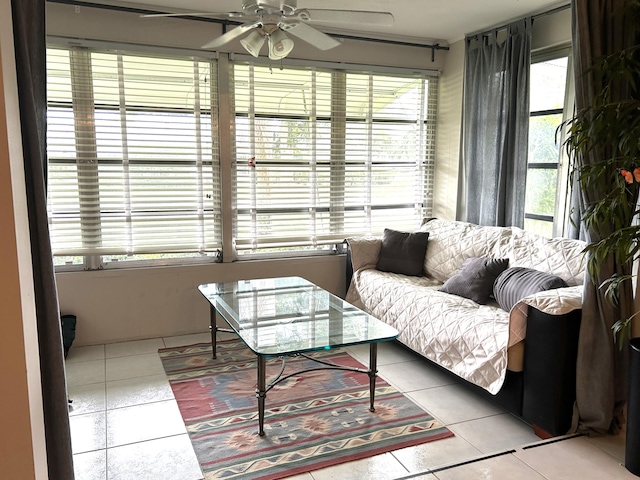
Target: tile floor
[125, 424]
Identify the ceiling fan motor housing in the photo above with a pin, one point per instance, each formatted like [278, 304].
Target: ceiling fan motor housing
[286, 7]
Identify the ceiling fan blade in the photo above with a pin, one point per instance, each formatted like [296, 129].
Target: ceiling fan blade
[348, 16]
[199, 14]
[310, 35]
[230, 35]
[195, 14]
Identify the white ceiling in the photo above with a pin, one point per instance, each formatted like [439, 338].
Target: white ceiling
[419, 21]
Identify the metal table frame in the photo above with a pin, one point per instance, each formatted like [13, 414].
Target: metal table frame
[263, 387]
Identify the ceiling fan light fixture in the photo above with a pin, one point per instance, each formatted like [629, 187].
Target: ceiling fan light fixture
[279, 45]
[253, 42]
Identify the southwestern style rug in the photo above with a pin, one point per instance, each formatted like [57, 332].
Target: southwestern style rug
[312, 421]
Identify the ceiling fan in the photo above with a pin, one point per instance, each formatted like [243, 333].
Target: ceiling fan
[270, 21]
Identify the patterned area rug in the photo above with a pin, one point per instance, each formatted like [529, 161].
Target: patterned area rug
[312, 421]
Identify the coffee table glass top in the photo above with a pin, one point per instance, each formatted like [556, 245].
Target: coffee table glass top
[278, 316]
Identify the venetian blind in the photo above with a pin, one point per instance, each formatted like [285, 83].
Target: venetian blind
[133, 154]
[324, 154]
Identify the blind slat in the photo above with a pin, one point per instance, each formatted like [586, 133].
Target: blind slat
[333, 154]
[133, 156]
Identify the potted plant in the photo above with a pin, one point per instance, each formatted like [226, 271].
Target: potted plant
[609, 129]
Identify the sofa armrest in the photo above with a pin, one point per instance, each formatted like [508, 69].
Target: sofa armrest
[557, 301]
[550, 355]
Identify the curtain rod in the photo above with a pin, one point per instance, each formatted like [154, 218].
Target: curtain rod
[533, 17]
[225, 23]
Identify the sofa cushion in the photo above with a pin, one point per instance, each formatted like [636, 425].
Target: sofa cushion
[563, 257]
[515, 283]
[475, 278]
[402, 252]
[364, 251]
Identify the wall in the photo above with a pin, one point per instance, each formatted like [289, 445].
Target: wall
[126, 304]
[109, 25]
[448, 134]
[22, 447]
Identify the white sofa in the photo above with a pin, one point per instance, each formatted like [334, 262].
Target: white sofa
[482, 343]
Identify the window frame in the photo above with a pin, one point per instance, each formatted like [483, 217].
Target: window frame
[82, 52]
[560, 215]
[226, 151]
[427, 120]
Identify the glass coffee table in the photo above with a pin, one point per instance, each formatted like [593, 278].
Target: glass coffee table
[290, 316]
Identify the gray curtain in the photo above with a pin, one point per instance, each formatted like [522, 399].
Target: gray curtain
[496, 124]
[599, 29]
[30, 49]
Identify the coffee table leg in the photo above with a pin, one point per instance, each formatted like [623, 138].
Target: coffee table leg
[373, 370]
[213, 326]
[261, 392]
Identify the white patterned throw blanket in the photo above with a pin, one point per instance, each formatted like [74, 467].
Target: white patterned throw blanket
[469, 339]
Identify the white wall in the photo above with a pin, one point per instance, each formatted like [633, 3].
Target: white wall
[552, 30]
[125, 304]
[116, 305]
[109, 25]
[448, 134]
[128, 304]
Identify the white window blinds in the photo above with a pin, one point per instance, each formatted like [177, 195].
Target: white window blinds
[133, 154]
[324, 154]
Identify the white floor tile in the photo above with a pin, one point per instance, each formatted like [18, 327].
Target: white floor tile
[143, 422]
[85, 354]
[613, 444]
[417, 375]
[380, 467]
[574, 458]
[169, 458]
[504, 467]
[138, 347]
[183, 340]
[447, 451]
[496, 433]
[125, 424]
[86, 398]
[90, 465]
[302, 476]
[133, 366]
[454, 404]
[138, 391]
[84, 373]
[88, 432]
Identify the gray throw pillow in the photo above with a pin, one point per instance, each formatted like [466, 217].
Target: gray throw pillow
[474, 279]
[518, 282]
[402, 252]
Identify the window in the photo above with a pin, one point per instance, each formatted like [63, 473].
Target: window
[133, 165]
[547, 172]
[318, 153]
[325, 154]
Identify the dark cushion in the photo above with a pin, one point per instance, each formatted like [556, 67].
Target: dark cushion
[518, 282]
[474, 279]
[402, 252]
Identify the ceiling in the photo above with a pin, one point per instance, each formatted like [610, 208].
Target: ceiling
[417, 21]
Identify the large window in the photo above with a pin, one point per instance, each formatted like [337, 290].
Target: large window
[324, 154]
[133, 165]
[317, 154]
[546, 174]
